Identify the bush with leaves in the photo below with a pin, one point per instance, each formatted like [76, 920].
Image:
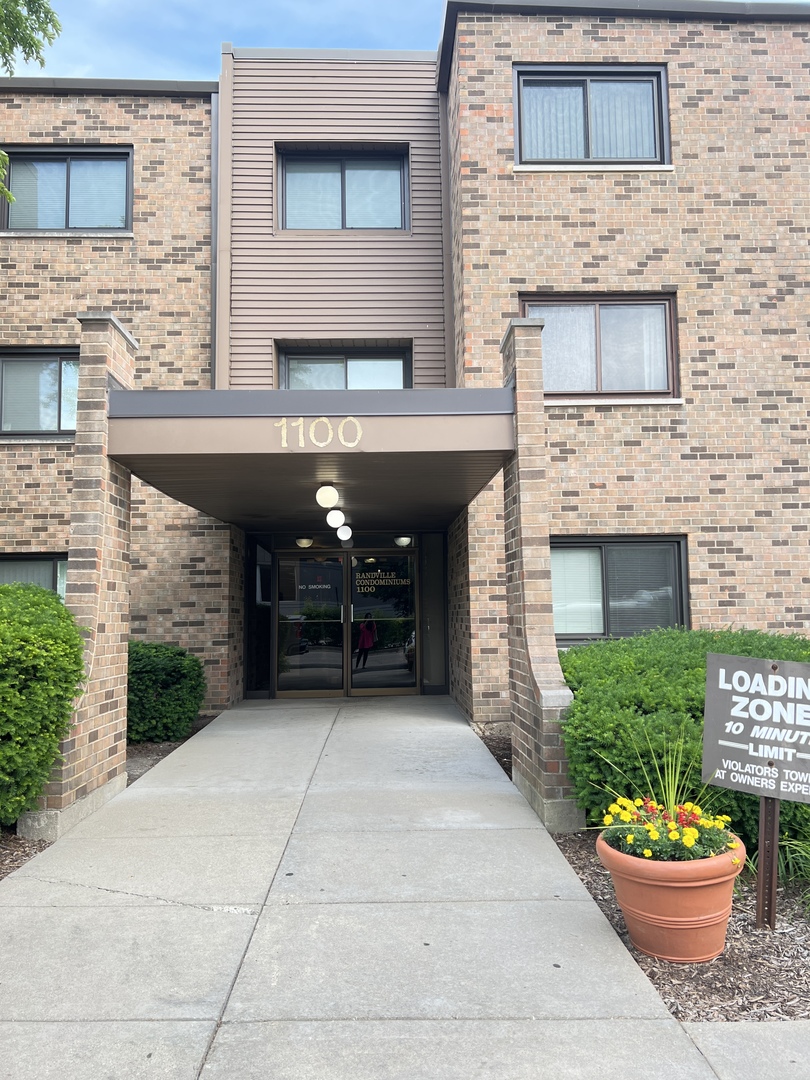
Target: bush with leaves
[41, 671]
[165, 693]
[653, 686]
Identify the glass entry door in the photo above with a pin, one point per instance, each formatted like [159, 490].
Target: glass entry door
[325, 644]
[311, 624]
[383, 635]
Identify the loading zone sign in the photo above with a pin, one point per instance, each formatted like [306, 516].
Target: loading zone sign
[756, 736]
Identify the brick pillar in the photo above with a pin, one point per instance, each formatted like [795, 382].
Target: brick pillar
[538, 692]
[97, 592]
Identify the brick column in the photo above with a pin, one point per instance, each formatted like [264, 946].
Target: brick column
[538, 692]
[97, 591]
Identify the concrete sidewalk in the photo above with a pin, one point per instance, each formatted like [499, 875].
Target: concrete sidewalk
[334, 890]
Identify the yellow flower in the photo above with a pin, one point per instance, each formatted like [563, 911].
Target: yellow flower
[624, 816]
[608, 819]
[647, 853]
[674, 836]
[613, 808]
[630, 838]
[733, 844]
[735, 861]
[688, 841]
[655, 834]
[638, 802]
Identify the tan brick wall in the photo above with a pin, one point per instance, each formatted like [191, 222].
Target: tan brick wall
[183, 583]
[539, 696]
[157, 281]
[97, 578]
[726, 229]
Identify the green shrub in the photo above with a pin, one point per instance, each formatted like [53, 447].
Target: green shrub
[165, 694]
[41, 671]
[657, 683]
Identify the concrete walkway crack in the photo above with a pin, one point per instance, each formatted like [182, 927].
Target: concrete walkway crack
[233, 909]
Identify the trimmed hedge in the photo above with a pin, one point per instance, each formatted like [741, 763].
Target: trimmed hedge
[41, 670]
[165, 693]
[656, 683]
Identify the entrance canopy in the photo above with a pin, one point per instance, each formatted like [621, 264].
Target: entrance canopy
[255, 458]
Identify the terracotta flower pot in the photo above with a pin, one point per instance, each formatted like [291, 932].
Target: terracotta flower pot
[675, 911]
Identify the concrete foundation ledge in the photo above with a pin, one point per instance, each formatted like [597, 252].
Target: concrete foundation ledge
[558, 815]
[51, 824]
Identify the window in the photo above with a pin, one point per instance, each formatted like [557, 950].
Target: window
[48, 572]
[38, 393]
[598, 113]
[358, 370]
[616, 588]
[59, 190]
[606, 346]
[344, 192]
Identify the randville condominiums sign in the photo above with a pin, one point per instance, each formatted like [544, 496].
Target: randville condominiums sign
[756, 736]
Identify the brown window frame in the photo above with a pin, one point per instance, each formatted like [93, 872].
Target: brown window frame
[342, 156]
[598, 301]
[583, 75]
[67, 154]
[680, 593]
[36, 354]
[316, 353]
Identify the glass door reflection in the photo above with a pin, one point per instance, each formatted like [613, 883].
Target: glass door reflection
[383, 630]
[310, 623]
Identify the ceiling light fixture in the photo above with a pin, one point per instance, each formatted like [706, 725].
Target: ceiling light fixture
[327, 496]
[335, 518]
[403, 541]
[304, 541]
[344, 533]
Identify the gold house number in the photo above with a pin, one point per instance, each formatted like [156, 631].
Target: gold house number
[320, 431]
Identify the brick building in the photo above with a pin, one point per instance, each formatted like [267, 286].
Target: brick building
[535, 306]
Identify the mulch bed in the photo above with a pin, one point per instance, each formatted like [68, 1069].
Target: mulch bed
[761, 975]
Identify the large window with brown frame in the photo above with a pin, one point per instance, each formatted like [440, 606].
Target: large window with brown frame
[606, 345]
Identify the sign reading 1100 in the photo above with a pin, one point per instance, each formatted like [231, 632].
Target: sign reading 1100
[756, 734]
[320, 432]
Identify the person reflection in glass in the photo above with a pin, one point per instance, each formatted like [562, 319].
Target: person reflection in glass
[368, 635]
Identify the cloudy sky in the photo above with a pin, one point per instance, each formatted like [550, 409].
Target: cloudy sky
[181, 39]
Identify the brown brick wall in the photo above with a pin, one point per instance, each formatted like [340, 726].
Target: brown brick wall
[726, 230]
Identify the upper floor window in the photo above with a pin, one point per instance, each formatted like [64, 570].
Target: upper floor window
[359, 370]
[38, 393]
[58, 189]
[606, 346]
[344, 192]
[597, 113]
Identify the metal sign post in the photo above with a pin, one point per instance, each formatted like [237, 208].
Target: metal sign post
[768, 865]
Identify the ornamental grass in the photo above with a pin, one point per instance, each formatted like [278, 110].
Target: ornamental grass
[665, 825]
